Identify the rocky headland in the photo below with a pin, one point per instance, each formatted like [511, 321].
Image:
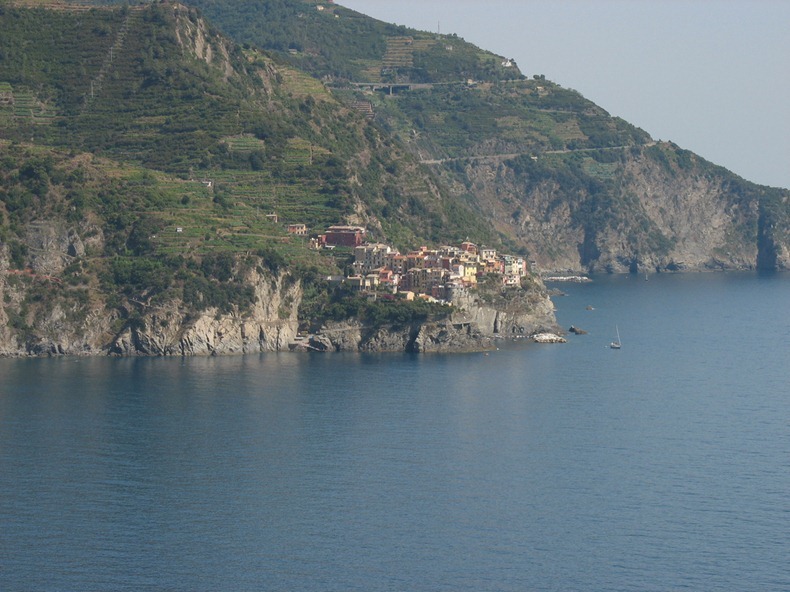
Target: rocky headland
[57, 325]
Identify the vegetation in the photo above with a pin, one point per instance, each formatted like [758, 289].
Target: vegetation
[163, 161]
[345, 44]
[472, 108]
[340, 304]
[169, 166]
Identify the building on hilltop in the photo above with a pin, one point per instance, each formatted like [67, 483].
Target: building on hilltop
[423, 280]
[441, 273]
[513, 265]
[397, 263]
[469, 247]
[343, 236]
[361, 283]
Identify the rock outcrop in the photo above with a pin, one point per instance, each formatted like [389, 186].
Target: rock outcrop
[270, 325]
[8, 344]
[517, 316]
[474, 325]
[172, 328]
[424, 337]
[658, 208]
[46, 310]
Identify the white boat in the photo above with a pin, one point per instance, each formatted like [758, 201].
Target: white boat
[616, 344]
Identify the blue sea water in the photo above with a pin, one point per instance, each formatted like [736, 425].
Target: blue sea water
[662, 466]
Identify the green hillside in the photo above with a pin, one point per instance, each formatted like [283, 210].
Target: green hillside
[329, 40]
[548, 169]
[137, 85]
[337, 118]
[459, 95]
[150, 167]
[166, 161]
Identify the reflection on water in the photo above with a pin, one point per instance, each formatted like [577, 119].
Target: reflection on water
[660, 466]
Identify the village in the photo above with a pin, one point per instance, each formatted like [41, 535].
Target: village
[442, 274]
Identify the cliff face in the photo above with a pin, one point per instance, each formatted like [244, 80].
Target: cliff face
[547, 169]
[520, 316]
[173, 329]
[438, 336]
[654, 208]
[39, 316]
[162, 250]
[33, 326]
[473, 326]
[7, 341]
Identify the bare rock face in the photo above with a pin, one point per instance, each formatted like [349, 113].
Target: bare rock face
[8, 345]
[515, 318]
[49, 242]
[63, 328]
[58, 333]
[210, 333]
[439, 336]
[473, 326]
[80, 324]
[171, 330]
[338, 336]
[697, 213]
[76, 247]
[451, 337]
[667, 211]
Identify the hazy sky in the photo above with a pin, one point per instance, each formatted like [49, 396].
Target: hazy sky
[713, 76]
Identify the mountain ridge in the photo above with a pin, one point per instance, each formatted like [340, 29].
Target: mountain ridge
[481, 116]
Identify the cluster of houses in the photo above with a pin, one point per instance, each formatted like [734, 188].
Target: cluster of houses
[442, 273]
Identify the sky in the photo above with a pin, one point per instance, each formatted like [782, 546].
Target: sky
[712, 76]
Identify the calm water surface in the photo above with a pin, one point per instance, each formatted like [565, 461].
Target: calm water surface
[662, 466]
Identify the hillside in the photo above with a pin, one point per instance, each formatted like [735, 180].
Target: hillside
[149, 171]
[174, 100]
[553, 173]
[151, 166]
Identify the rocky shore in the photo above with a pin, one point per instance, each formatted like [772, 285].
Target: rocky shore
[272, 324]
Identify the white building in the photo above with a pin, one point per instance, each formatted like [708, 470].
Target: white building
[372, 256]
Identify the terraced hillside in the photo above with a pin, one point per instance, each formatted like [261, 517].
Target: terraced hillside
[146, 160]
[549, 170]
[114, 95]
[327, 39]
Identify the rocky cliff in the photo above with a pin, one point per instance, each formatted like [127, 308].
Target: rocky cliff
[476, 323]
[173, 329]
[40, 316]
[649, 208]
[150, 216]
[551, 172]
[424, 337]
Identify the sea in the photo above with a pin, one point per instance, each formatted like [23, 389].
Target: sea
[662, 466]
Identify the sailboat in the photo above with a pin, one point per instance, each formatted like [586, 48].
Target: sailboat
[616, 344]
